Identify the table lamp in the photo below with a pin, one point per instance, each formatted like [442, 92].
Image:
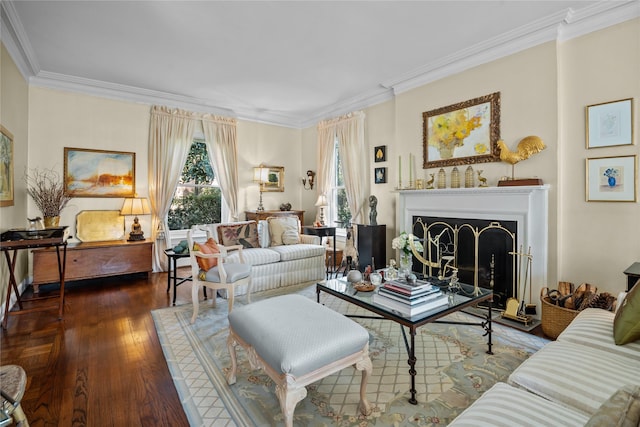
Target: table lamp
[261, 176]
[135, 206]
[321, 203]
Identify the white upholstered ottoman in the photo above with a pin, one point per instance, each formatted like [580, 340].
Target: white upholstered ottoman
[297, 342]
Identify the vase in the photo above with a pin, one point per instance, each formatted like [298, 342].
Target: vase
[51, 221]
[406, 264]
[611, 181]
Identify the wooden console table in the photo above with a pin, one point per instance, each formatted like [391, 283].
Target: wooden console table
[260, 215]
[92, 260]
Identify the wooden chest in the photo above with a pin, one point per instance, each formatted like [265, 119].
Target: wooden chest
[93, 260]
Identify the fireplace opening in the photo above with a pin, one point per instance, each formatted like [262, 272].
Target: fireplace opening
[471, 243]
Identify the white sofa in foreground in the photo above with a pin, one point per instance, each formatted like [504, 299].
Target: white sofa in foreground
[581, 379]
[278, 253]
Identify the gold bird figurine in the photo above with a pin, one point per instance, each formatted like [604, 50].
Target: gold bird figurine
[527, 147]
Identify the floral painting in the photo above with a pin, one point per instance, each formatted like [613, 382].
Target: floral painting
[611, 179]
[99, 173]
[463, 133]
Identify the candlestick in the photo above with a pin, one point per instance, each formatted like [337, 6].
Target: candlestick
[410, 169]
[399, 172]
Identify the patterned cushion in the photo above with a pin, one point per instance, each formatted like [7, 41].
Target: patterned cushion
[279, 224]
[621, 409]
[506, 406]
[626, 325]
[590, 378]
[240, 233]
[209, 247]
[593, 327]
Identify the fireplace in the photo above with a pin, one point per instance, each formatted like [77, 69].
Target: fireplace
[483, 251]
[522, 210]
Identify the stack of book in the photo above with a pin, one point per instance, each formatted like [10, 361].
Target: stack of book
[410, 299]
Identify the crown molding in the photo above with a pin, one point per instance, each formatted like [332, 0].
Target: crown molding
[598, 16]
[16, 41]
[560, 26]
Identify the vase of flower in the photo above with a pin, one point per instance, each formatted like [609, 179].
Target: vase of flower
[406, 264]
[611, 174]
[406, 244]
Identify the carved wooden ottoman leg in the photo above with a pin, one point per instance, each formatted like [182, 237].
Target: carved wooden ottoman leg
[289, 395]
[231, 347]
[366, 367]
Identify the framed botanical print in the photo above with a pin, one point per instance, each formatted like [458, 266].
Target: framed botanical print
[612, 179]
[380, 153]
[610, 124]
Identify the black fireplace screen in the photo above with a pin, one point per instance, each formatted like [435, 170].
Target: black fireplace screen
[469, 245]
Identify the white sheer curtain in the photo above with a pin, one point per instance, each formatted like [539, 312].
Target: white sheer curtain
[326, 159]
[220, 137]
[170, 138]
[349, 130]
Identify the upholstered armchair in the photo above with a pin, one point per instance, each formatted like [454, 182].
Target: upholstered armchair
[210, 269]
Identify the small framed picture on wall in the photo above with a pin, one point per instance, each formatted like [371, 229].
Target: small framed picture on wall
[610, 124]
[381, 175]
[380, 153]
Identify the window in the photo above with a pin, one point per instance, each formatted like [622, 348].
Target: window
[339, 212]
[197, 199]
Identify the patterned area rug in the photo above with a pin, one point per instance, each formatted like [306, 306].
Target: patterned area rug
[453, 371]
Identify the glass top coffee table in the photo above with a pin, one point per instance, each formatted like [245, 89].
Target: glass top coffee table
[461, 297]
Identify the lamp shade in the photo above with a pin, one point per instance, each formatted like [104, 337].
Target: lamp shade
[322, 200]
[135, 206]
[261, 174]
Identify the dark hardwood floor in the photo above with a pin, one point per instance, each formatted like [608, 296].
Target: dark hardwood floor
[102, 365]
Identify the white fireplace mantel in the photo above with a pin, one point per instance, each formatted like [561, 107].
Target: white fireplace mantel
[527, 205]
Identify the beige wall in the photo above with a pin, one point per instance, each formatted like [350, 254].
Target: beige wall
[597, 240]
[59, 119]
[14, 105]
[544, 91]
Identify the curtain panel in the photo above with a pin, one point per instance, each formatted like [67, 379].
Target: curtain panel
[170, 138]
[349, 132]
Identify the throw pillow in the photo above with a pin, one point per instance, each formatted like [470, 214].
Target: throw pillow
[243, 233]
[278, 225]
[626, 324]
[290, 237]
[209, 247]
[621, 409]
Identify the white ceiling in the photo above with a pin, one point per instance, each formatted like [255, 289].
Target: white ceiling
[288, 63]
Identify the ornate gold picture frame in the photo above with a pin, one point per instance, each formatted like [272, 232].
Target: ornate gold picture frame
[463, 133]
[99, 173]
[275, 179]
[6, 167]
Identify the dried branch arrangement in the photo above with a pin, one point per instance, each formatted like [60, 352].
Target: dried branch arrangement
[46, 188]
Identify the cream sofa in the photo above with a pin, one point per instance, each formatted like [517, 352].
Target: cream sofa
[582, 378]
[274, 263]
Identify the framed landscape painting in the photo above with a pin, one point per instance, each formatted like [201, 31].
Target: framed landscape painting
[99, 173]
[275, 179]
[462, 133]
[6, 167]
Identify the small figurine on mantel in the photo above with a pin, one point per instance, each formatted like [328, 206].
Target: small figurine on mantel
[136, 231]
[430, 181]
[373, 214]
[483, 180]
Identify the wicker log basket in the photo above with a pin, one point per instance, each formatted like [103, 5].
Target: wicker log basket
[554, 318]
